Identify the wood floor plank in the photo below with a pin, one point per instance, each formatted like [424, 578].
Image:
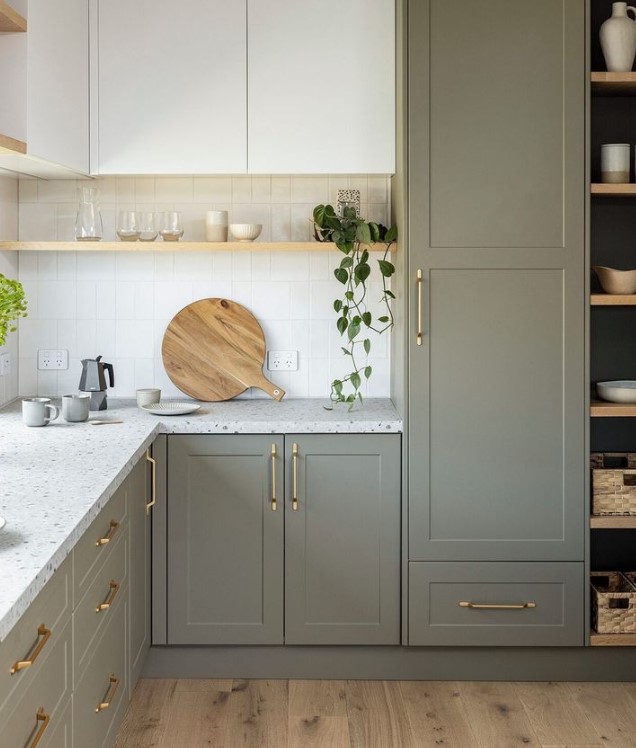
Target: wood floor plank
[377, 715]
[196, 719]
[437, 714]
[144, 723]
[572, 745]
[258, 714]
[205, 685]
[555, 716]
[496, 716]
[610, 708]
[322, 698]
[319, 732]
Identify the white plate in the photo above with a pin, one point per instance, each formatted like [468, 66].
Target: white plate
[620, 391]
[171, 409]
[3, 522]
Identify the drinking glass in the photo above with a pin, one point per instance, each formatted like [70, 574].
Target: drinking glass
[147, 226]
[127, 226]
[88, 224]
[171, 226]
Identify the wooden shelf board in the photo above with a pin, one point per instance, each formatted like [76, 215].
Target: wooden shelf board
[12, 145]
[613, 84]
[613, 190]
[161, 246]
[602, 409]
[615, 522]
[10, 20]
[612, 640]
[609, 299]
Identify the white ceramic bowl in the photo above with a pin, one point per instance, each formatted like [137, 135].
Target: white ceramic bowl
[616, 281]
[246, 232]
[620, 391]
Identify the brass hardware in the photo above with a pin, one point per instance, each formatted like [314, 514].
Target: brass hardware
[44, 718]
[113, 685]
[153, 493]
[418, 337]
[497, 606]
[273, 504]
[113, 587]
[34, 653]
[295, 478]
[112, 529]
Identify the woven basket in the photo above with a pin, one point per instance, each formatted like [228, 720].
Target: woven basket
[613, 483]
[613, 603]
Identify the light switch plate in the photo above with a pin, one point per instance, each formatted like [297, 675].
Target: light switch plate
[52, 359]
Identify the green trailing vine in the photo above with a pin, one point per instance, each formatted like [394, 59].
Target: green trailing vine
[12, 306]
[352, 236]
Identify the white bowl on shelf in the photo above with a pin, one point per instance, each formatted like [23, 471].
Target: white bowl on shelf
[246, 232]
[618, 391]
[616, 281]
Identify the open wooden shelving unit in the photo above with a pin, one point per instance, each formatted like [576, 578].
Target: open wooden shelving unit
[608, 299]
[603, 409]
[161, 246]
[612, 640]
[613, 84]
[613, 522]
[599, 189]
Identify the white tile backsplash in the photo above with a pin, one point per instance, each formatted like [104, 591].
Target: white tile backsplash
[119, 304]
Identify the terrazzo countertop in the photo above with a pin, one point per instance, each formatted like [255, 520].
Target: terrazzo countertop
[55, 480]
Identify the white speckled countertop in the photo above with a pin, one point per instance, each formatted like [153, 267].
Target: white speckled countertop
[54, 480]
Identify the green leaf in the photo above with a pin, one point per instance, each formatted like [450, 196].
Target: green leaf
[364, 258]
[367, 346]
[342, 324]
[362, 272]
[346, 262]
[333, 222]
[391, 234]
[329, 210]
[337, 305]
[367, 318]
[349, 295]
[346, 351]
[356, 380]
[350, 399]
[368, 370]
[356, 320]
[319, 215]
[341, 274]
[375, 232]
[390, 294]
[383, 319]
[349, 213]
[337, 385]
[386, 268]
[353, 331]
[363, 234]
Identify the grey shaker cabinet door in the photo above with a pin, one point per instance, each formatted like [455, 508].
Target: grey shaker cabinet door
[225, 544]
[342, 543]
[497, 194]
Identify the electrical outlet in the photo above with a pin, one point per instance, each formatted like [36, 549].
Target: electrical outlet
[5, 364]
[282, 360]
[50, 359]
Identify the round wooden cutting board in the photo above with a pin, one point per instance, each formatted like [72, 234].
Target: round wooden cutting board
[214, 349]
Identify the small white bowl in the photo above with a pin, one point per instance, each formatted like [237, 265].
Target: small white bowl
[616, 281]
[620, 391]
[246, 232]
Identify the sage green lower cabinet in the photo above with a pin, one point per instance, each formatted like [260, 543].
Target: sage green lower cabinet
[496, 604]
[319, 565]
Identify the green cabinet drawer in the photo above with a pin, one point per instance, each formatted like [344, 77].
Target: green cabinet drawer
[44, 701]
[50, 611]
[94, 546]
[496, 604]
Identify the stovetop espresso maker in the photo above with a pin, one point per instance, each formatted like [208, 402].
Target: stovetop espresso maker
[93, 380]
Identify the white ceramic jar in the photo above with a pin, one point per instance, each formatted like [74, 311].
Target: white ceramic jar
[618, 39]
[615, 163]
[216, 222]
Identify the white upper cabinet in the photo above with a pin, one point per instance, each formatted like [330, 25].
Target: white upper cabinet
[321, 86]
[171, 87]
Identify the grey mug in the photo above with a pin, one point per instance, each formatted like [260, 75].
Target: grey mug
[75, 408]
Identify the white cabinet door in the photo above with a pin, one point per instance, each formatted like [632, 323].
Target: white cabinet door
[321, 86]
[172, 94]
[57, 82]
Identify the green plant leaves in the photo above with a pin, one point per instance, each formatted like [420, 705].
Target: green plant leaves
[361, 272]
[367, 318]
[386, 268]
[341, 274]
[368, 370]
[367, 346]
[363, 233]
[12, 305]
[337, 305]
[356, 381]
[342, 324]
[391, 234]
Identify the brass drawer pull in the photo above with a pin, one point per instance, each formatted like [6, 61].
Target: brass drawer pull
[153, 482]
[35, 652]
[497, 606]
[113, 587]
[113, 685]
[273, 502]
[294, 502]
[418, 337]
[112, 529]
[44, 718]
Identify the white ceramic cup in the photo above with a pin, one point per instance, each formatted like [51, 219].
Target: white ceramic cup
[615, 163]
[148, 396]
[75, 408]
[216, 222]
[35, 410]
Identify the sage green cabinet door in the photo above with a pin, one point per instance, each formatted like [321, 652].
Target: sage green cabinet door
[342, 542]
[225, 542]
[497, 197]
[139, 487]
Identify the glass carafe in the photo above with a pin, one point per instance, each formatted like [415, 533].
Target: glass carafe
[88, 224]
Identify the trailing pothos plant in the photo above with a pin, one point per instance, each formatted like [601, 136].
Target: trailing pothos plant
[353, 236]
[12, 305]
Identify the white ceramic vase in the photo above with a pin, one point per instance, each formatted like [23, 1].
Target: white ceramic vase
[618, 39]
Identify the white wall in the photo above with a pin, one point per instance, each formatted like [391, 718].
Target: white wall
[118, 304]
[9, 267]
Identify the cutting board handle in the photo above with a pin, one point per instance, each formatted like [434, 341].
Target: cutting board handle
[273, 390]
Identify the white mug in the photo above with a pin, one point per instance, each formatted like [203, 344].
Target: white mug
[75, 408]
[148, 396]
[34, 411]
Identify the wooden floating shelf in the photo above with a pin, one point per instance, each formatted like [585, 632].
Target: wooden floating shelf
[612, 640]
[11, 145]
[161, 246]
[10, 20]
[613, 190]
[613, 84]
[601, 409]
[608, 299]
[615, 522]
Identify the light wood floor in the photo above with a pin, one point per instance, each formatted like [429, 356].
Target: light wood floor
[378, 714]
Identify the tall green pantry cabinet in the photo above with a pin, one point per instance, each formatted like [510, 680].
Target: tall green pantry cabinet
[496, 230]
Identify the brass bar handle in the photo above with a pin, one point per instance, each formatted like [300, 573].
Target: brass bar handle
[113, 588]
[273, 502]
[418, 337]
[153, 481]
[294, 502]
[113, 685]
[44, 718]
[112, 529]
[497, 606]
[35, 652]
